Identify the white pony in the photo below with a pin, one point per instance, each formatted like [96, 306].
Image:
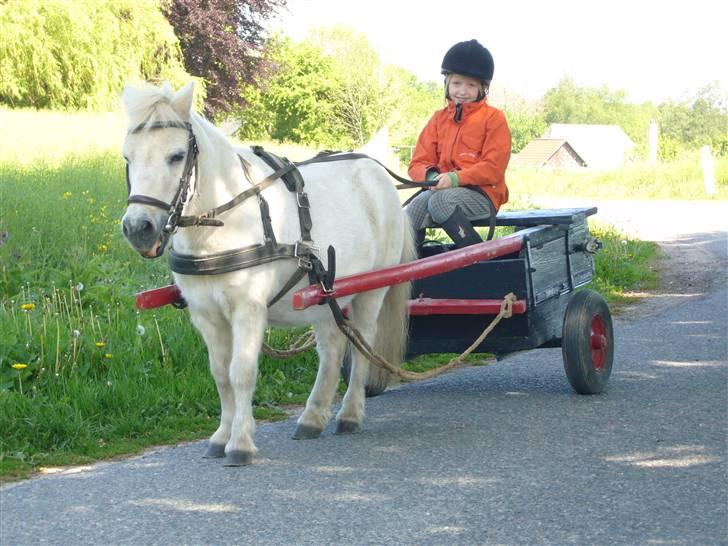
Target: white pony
[354, 207]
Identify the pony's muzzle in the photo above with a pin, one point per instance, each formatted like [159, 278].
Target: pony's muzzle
[143, 233]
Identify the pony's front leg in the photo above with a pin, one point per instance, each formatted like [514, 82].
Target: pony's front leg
[330, 345]
[215, 331]
[248, 327]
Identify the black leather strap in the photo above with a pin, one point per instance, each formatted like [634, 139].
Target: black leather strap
[328, 155]
[225, 262]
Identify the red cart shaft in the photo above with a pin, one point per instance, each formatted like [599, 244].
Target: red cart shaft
[150, 299]
[418, 269]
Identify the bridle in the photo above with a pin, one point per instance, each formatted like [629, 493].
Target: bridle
[174, 208]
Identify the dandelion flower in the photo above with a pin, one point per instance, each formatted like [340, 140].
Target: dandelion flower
[76, 333]
[67, 194]
[100, 344]
[108, 356]
[79, 287]
[624, 243]
[140, 330]
[19, 366]
[27, 306]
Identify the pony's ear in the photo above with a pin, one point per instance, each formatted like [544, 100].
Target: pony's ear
[182, 101]
[127, 96]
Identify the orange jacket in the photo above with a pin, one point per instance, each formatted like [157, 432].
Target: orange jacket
[478, 148]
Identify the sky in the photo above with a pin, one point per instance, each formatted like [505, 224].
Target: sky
[653, 50]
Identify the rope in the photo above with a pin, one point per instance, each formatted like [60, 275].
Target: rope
[303, 343]
[506, 311]
[308, 340]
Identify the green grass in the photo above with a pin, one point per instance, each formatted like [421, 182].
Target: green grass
[83, 375]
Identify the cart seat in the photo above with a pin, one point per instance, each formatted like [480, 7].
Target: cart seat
[534, 217]
[519, 219]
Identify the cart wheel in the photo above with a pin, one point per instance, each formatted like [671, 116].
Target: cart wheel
[376, 382]
[587, 343]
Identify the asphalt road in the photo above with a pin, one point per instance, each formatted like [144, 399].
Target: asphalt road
[501, 454]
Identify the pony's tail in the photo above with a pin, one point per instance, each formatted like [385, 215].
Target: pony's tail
[393, 322]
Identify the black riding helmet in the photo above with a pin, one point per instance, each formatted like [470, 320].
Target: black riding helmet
[469, 59]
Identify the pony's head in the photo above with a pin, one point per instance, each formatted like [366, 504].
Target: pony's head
[160, 152]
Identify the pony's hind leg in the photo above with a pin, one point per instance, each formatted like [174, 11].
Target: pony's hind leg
[330, 344]
[218, 339]
[365, 310]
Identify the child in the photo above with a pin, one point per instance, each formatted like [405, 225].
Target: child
[465, 147]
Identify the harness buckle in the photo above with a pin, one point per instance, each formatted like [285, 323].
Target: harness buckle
[302, 200]
[303, 249]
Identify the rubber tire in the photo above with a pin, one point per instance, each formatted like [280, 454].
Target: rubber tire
[370, 390]
[587, 343]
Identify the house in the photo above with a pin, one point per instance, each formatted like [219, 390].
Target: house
[548, 152]
[601, 146]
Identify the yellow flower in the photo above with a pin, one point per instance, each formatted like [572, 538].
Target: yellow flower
[103, 248]
[67, 194]
[28, 306]
[108, 356]
[100, 344]
[19, 366]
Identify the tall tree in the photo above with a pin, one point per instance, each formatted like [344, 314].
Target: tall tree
[78, 55]
[222, 42]
[362, 101]
[295, 100]
[697, 121]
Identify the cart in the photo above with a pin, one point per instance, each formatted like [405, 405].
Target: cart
[543, 262]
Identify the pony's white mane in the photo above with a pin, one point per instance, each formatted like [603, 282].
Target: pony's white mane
[149, 103]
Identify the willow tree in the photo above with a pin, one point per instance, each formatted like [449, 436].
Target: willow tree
[78, 55]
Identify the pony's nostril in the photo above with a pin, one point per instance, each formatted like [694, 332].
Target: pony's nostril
[147, 226]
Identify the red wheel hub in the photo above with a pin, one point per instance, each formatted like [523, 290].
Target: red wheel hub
[599, 342]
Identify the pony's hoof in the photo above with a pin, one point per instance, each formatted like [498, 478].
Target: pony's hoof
[238, 458]
[306, 432]
[215, 451]
[347, 427]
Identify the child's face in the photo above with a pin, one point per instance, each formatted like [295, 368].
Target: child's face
[463, 88]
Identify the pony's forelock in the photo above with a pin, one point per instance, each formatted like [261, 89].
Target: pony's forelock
[149, 103]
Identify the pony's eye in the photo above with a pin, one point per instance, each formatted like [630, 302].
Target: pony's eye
[175, 158]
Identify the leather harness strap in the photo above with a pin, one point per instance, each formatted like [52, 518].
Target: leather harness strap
[271, 250]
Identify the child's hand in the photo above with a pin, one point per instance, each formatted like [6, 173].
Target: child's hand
[444, 181]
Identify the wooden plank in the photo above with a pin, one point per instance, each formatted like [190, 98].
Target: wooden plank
[537, 217]
[529, 218]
